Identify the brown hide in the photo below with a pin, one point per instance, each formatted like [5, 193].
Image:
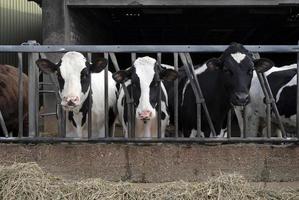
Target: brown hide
[9, 98]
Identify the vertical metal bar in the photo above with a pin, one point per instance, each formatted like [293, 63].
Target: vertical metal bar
[106, 55]
[159, 58]
[229, 123]
[2, 122]
[124, 87]
[132, 109]
[61, 114]
[190, 64]
[32, 95]
[20, 94]
[90, 101]
[274, 107]
[245, 121]
[268, 109]
[297, 116]
[176, 98]
[35, 57]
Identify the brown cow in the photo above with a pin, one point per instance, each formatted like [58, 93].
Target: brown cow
[9, 99]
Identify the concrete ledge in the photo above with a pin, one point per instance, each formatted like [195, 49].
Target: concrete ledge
[159, 162]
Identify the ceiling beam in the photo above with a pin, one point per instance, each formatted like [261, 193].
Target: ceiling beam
[166, 3]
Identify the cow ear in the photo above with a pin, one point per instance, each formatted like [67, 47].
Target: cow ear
[213, 64]
[122, 76]
[98, 65]
[263, 64]
[168, 74]
[46, 66]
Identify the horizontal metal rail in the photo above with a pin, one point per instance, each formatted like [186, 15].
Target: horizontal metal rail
[144, 48]
[109, 51]
[148, 140]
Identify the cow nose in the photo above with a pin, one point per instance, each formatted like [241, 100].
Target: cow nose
[72, 101]
[146, 114]
[242, 97]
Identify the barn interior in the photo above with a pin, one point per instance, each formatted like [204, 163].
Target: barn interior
[262, 25]
[250, 25]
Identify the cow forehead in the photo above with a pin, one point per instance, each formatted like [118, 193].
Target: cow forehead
[145, 69]
[72, 63]
[238, 57]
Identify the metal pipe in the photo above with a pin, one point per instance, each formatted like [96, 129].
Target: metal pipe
[202, 101]
[124, 87]
[2, 122]
[89, 101]
[229, 123]
[106, 55]
[144, 48]
[198, 104]
[133, 111]
[176, 98]
[297, 115]
[159, 58]
[245, 122]
[32, 96]
[36, 88]
[20, 94]
[263, 86]
[37, 140]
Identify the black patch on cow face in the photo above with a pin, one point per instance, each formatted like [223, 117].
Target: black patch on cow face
[61, 81]
[134, 88]
[85, 79]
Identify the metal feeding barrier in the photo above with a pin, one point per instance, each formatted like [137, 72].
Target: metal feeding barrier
[180, 52]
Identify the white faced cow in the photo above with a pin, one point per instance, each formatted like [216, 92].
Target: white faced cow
[74, 73]
[283, 84]
[224, 81]
[142, 81]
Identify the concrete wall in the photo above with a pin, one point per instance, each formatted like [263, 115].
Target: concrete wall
[159, 162]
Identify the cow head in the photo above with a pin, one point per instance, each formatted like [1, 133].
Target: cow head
[144, 77]
[73, 74]
[237, 64]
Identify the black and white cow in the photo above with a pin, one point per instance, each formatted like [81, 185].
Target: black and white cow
[283, 84]
[224, 81]
[73, 74]
[142, 81]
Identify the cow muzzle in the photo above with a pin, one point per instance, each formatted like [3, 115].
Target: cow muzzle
[71, 102]
[240, 99]
[145, 115]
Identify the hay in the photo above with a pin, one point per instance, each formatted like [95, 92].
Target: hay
[29, 181]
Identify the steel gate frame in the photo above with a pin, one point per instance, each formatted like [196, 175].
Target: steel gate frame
[179, 51]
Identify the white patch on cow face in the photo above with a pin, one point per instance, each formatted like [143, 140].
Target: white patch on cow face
[145, 71]
[72, 63]
[238, 57]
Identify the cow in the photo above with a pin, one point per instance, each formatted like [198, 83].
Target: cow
[225, 81]
[142, 81]
[9, 100]
[283, 84]
[74, 75]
